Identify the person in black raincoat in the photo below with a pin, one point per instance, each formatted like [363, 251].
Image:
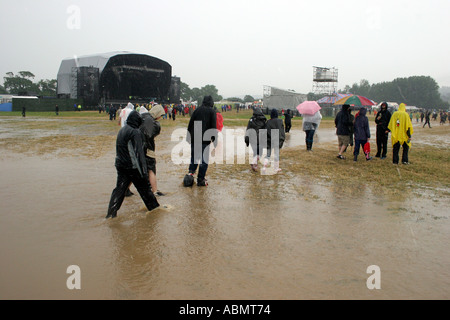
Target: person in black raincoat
[287, 120]
[256, 123]
[382, 120]
[203, 120]
[344, 129]
[275, 139]
[131, 166]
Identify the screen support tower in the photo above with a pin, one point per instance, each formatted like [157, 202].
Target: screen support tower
[325, 80]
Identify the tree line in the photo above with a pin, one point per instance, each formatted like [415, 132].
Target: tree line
[23, 83]
[419, 91]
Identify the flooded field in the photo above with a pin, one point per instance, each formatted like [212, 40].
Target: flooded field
[245, 236]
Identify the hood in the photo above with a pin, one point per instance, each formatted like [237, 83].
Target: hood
[274, 114]
[143, 110]
[208, 101]
[134, 120]
[345, 107]
[402, 107]
[130, 106]
[157, 111]
[257, 112]
[362, 111]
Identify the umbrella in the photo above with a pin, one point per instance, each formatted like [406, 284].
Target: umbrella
[333, 98]
[355, 100]
[308, 107]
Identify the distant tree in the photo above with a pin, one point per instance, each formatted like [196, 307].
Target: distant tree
[248, 98]
[445, 94]
[3, 90]
[47, 87]
[235, 99]
[23, 82]
[186, 92]
[197, 94]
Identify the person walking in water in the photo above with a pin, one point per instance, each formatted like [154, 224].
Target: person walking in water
[203, 119]
[131, 166]
[401, 130]
[252, 137]
[310, 125]
[275, 139]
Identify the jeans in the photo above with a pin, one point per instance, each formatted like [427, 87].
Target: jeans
[358, 144]
[202, 159]
[309, 137]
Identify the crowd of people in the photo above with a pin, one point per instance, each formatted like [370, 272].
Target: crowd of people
[355, 129]
[135, 145]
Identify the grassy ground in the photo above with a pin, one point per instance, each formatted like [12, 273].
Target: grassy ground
[429, 155]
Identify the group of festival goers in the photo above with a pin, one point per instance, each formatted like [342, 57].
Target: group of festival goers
[135, 145]
[398, 124]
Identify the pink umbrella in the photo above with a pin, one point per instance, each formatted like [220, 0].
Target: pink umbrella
[308, 107]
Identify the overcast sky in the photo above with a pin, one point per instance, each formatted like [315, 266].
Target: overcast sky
[237, 45]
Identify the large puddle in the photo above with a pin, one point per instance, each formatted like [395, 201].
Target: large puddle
[245, 236]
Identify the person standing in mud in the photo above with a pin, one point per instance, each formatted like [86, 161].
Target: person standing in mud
[131, 166]
[288, 120]
[256, 123]
[362, 133]
[203, 119]
[344, 124]
[401, 130]
[24, 110]
[382, 120]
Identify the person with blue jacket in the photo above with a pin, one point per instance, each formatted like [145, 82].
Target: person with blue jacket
[361, 132]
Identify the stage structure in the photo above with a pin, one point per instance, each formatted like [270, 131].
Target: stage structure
[275, 98]
[325, 80]
[115, 77]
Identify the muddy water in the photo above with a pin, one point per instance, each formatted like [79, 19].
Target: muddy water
[246, 236]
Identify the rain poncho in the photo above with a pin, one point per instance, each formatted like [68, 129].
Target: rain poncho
[125, 112]
[151, 128]
[400, 125]
[312, 122]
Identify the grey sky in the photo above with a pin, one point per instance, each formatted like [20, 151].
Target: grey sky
[238, 46]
